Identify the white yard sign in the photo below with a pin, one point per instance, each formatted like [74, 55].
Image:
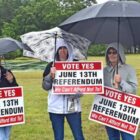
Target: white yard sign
[117, 109]
[11, 106]
[71, 77]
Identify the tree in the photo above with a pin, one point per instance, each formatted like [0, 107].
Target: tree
[7, 10]
[36, 15]
[41, 15]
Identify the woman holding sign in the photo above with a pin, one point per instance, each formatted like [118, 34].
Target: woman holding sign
[62, 106]
[7, 79]
[124, 80]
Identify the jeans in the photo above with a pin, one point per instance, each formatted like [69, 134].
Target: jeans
[115, 134]
[5, 133]
[74, 121]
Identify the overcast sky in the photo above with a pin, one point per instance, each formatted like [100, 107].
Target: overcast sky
[101, 1]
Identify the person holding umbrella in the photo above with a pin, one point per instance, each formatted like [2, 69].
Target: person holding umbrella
[7, 79]
[117, 74]
[58, 107]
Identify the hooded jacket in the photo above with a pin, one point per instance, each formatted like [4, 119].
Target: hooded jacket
[128, 82]
[58, 103]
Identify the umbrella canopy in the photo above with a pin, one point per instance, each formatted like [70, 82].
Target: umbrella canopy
[112, 21]
[10, 44]
[43, 44]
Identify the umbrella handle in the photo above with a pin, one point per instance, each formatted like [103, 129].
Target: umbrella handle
[55, 36]
[53, 71]
[117, 80]
[116, 85]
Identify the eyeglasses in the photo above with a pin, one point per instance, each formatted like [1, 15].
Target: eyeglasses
[112, 52]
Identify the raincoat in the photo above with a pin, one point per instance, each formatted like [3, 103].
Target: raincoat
[129, 82]
[59, 103]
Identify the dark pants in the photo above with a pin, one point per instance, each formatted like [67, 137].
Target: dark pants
[74, 121]
[115, 134]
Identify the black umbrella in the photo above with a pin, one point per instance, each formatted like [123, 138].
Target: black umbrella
[9, 44]
[112, 21]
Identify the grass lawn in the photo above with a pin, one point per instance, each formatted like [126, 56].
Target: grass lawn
[37, 127]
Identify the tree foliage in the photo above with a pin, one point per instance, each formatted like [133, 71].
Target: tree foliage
[18, 17]
[22, 16]
[7, 10]
[40, 15]
[96, 50]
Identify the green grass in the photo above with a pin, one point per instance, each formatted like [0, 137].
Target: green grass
[37, 125]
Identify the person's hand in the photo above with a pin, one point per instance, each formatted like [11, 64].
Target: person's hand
[117, 80]
[52, 72]
[9, 76]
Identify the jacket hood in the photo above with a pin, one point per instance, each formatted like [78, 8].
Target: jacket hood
[62, 42]
[119, 50]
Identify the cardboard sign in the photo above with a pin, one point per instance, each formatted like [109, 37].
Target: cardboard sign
[117, 109]
[11, 106]
[74, 77]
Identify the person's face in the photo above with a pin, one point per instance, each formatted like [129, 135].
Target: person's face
[63, 53]
[112, 56]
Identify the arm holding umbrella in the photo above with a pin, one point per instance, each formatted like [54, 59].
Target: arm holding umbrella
[117, 72]
[7, 78]
[129, 86]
